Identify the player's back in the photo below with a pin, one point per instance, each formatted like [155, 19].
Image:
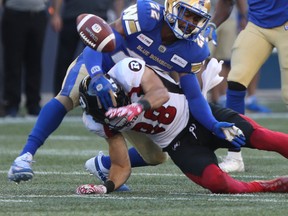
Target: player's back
[164, 123]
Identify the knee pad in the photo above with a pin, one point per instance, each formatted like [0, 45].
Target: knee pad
[156, 158]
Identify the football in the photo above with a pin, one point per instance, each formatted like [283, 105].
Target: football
[96, 33]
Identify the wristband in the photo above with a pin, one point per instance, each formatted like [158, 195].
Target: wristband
[109, 185]
[145, 104]
[212, 25]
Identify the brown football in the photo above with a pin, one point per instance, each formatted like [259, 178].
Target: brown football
[96, 32]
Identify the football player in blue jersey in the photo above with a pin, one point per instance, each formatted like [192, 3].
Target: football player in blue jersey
[267, 28]
[166, 38]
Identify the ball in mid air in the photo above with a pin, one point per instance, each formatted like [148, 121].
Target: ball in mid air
[96, 33]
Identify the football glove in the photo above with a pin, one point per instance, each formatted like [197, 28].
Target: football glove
[91, 189]
[102, 88]
[130, 111]
[229, 132]
[210, 33]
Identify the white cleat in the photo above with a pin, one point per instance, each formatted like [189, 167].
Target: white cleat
[21, 169]
[233, 162]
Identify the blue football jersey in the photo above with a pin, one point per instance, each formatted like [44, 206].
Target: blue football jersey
[268, 13]
[142, 23]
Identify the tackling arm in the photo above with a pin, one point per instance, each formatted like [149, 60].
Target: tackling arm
[120, 163]
[156, 94]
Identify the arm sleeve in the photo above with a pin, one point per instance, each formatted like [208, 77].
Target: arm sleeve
[198, 106]
[93, 61]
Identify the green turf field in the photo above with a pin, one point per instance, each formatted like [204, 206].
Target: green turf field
[160, 190]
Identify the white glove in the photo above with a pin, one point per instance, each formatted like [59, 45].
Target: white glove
[210, 76]
[91, 189]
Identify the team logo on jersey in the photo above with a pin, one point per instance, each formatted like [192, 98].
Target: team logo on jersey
[179, 61]
[162, 49]
[145, 40]
[192, 128]
[95, 69]
[177, 144]
[134, 66]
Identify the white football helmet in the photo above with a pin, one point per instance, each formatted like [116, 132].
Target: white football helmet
[175, 10]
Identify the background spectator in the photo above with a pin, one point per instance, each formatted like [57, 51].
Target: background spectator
[63, 20]
[23, 33]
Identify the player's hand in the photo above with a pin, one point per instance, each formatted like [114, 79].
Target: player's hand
[91, 189]
[210, 33]
[102, 88]
[129, 111]
[229, 132]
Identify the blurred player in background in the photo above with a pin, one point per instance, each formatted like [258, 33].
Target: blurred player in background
[226, 35]
[165, 118]
[267, 28]
[162, 36]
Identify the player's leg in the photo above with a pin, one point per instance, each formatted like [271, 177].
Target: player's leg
[199, 164]
[48, 120]
[257, 136]
[144, 153]
[65, 52]
[226, 34]
[279, 38]
[264, 139]
[149, 154]
[251, 102]
[245, 63]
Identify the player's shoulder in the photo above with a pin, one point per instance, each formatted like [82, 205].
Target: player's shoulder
[145, 15]
[199, 49]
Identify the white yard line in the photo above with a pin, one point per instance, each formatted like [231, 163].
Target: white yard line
[224, 198]
[78, 119]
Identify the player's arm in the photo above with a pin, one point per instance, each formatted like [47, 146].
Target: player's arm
[242, 11]
[200, 110]
[120, 163]
[223, 10]
[156, 94]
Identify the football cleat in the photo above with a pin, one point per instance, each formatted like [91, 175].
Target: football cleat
[95, 167]
[278, 185]
[230, 164]
[252, 105]
[20, 169]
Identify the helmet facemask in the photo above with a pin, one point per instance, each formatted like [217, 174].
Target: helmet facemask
[175, 11]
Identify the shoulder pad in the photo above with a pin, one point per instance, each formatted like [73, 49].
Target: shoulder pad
[143, 16]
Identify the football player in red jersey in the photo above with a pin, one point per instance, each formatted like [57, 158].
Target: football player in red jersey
[267, 28]
[167, 38]
[165, 118]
